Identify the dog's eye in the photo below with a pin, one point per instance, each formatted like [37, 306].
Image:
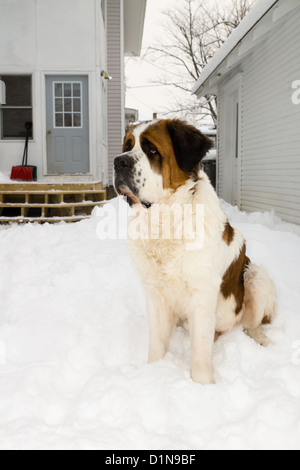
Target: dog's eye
[149, 148]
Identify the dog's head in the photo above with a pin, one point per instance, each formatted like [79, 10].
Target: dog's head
[158, 156]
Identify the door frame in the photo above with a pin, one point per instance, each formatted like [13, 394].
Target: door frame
[232, 89]
[92, 122]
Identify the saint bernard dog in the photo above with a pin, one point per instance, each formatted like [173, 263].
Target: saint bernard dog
[213, 288]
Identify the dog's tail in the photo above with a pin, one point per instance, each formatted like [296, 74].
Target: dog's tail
[260, 305]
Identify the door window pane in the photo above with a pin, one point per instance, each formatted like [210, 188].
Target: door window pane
[76, 105]
[58, 105]
[58, 89]
[76, 89]
[59, 120]
[67, 96]
[77, 120]
[68, 105]
[68, 120]
[67, 89]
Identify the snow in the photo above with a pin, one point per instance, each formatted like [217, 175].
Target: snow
[74, 340]
[4, 178]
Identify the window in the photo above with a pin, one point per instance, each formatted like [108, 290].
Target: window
[18, 108]
[67, 104]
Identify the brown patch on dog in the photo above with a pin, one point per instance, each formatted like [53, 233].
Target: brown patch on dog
[228, 234]
[233, 280]
[129, 141]
[156, 164]
[217, 335]
[189, 144]
[266, 321]
[152, 153]
[165, 163]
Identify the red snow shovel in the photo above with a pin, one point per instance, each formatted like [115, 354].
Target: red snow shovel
[25, 172]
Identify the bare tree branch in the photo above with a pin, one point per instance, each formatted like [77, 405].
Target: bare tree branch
[193, 33]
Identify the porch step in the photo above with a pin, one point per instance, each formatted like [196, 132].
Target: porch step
[52, 203]
[32, 186]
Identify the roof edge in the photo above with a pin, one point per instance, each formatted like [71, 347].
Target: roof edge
[134, 23]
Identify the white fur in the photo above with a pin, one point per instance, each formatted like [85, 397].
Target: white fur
[225, 319]
[260, 302]
[184, 285]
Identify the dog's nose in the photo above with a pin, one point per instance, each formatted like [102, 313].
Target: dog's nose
[123, 162]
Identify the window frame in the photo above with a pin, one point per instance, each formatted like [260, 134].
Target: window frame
[16, 107]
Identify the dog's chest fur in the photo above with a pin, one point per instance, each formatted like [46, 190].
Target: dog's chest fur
[172, 268]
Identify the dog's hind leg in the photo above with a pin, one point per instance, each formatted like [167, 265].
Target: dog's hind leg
[260, 305]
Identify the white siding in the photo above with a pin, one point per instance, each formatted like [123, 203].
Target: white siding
[115, 96]
[270, 150]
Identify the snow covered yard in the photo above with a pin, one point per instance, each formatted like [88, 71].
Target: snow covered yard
[74, 340]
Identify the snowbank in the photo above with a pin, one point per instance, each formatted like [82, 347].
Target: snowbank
[74, 340]
[4, 178]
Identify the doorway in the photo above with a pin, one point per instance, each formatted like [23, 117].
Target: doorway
[67, 118]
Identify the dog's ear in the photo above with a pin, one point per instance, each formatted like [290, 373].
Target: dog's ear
[189, 144]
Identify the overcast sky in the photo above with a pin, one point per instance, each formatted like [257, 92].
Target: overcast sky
[141, 93]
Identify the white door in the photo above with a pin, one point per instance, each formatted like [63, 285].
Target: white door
[232, 158]
[67, 124]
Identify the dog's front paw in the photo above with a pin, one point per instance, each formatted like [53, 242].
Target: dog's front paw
[155, 354]
[202, 376]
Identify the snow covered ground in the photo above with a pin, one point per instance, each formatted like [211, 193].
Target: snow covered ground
[74, 340]
[4, 178]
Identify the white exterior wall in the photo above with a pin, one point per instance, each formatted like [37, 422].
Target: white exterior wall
[270, 127]
[41, 37]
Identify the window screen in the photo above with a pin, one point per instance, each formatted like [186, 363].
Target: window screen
[18, 107]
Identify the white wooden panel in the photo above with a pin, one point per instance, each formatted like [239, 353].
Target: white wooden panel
[73, 41]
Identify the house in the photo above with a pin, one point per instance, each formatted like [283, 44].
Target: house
[56, 61]
[255, 76]
[209, 161]
[131, 116]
